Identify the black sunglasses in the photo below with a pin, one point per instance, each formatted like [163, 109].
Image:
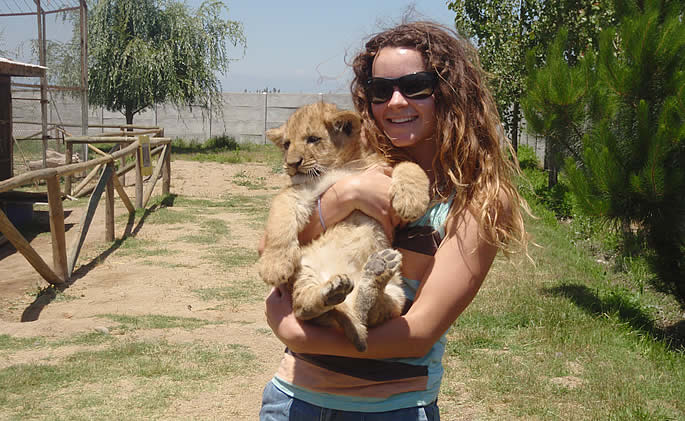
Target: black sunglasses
[413, 86]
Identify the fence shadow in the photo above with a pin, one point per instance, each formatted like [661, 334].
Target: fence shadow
[629, 312]
[47, 295]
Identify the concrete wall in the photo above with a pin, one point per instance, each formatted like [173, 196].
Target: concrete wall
[243, 116]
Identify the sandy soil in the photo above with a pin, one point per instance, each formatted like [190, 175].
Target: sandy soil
[107, 281]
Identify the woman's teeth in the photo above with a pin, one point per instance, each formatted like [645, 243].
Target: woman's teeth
[401, 120]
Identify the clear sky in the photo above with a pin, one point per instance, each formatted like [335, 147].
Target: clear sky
[294, 46]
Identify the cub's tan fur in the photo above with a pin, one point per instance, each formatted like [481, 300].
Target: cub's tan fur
[349, 276]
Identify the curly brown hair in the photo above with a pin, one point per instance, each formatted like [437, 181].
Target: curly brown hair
[475, 160]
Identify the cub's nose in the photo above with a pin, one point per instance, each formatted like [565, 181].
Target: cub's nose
[295, 163]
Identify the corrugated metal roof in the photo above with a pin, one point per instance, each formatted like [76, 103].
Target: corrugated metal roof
[16, 68]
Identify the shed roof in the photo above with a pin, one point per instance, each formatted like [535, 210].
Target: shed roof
[15, 68]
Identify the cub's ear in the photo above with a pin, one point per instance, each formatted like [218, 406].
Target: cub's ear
[276, 135]
[347, 123]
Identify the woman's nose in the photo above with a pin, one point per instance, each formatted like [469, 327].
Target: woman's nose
[397, 99]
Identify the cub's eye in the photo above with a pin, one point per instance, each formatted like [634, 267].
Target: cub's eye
[313, 139]
[286, 144]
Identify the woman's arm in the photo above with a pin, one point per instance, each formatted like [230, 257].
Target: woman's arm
[366, 192]
[449, 285]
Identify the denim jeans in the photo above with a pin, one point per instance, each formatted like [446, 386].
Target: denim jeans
[277, 406]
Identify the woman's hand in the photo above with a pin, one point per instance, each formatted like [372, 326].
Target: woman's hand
[280, 317]
[369, 192]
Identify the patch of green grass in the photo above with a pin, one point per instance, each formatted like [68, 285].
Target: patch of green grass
[136, 247]
[234, 153]
[13, 344]
[167, 216]
[153, 375]
[10, 343]
[565, 339]
[200, 238]
[231, 257]
[155, 321]
[216, 226]
[244, 180]
[211, 231]
[88, 339]
[236, 293]
[186, 208]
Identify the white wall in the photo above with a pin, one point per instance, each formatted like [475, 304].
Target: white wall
[243, 116]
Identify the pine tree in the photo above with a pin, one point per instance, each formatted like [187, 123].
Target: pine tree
[628, 109]
[554, 106]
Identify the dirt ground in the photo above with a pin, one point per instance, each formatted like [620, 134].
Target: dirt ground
[107, 281]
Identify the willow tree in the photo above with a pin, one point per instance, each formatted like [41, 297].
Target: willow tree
[146, 52]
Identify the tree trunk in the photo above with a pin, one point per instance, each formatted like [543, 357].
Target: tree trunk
[551, 163]
[515, 119]
[129, 116]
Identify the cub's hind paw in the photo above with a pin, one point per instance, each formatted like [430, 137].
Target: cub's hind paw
[383, 264]
[336, 289]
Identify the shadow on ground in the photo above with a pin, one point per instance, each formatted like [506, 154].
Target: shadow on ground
[48, 294]
[628, 311]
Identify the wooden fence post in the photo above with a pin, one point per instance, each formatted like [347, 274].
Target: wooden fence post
[139, 181]
[109, 205]
[59, 245]
[67, 161]
[23, 247]
[166, 171]
[88, 217]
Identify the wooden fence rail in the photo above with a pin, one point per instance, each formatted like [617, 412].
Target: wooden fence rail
[63, 263]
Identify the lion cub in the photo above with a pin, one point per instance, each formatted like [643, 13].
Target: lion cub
[349, 276]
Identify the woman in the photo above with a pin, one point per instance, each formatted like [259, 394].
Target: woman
[421, 92]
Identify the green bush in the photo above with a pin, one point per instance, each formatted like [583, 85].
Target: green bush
[181, 145]
[222, 142]
[625, 251]
[534, 185]
[527, 157]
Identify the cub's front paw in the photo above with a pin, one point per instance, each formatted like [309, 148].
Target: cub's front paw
[409, 191]
[276, 267]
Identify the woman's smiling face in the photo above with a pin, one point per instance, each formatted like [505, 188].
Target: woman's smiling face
[405, 121]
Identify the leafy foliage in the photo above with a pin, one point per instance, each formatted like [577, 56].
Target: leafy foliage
[502, 30]
[145, 52]
[506, 30]
[622, 107]
[554, 106]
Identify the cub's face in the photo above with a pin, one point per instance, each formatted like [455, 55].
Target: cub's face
[316, 138]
